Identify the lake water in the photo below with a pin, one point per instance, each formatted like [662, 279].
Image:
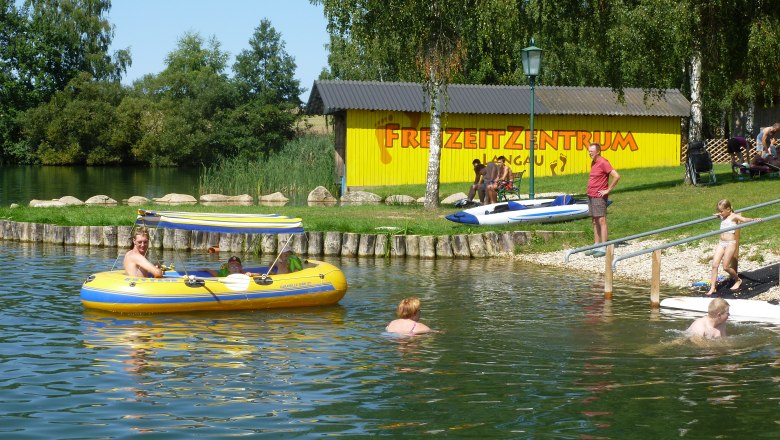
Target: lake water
[525, 352]
[22, 184]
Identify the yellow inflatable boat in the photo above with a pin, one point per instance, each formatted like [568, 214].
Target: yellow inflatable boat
[317, 283]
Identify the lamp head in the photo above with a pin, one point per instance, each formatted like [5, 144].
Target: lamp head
[532, 60]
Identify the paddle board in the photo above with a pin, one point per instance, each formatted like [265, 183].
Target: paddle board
[739, 309]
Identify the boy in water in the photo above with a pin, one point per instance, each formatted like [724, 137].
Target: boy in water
[713, 324]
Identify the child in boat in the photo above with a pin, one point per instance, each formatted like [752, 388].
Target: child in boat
[713, 324]
[287, 262]
[727, 246]
[233, 266]
[408, 312]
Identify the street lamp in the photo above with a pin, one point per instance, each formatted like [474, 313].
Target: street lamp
[532, 62]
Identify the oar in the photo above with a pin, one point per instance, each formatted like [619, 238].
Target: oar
[236, 281]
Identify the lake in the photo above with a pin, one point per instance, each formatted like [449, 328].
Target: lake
[524, 352]
[20, 184]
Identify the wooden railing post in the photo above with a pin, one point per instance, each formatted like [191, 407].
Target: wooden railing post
[608, 257]
[655, 280]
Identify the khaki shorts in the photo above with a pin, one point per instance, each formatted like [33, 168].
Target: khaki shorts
[597, 206]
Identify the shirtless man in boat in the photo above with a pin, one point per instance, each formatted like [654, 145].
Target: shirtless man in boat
[135, 262]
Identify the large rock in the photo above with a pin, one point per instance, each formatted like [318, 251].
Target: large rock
[276, 197]
[223, 200]
[100, 200]
[321, 194]
[137, 201]
[71, 201]
[399, 200]
[453, 198]
[35, 203]
[361, 198]
[176, 199]
[213, 198]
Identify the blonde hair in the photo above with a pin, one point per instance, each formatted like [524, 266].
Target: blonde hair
[716, 307]
[141, 230]
[724, 204]
[408, 307]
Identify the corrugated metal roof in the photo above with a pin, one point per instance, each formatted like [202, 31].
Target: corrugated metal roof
[328, 97]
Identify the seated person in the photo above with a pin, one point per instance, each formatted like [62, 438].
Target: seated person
[135, 262]
[478, 187]
[489, 176]
[505, 175]
[233, 266]
[287, 262]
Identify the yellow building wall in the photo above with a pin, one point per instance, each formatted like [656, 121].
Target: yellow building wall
[391, 148]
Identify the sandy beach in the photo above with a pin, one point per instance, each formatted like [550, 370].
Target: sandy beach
[680, 265]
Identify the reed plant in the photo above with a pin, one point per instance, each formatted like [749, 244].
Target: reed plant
[302, 165]
[645, 199]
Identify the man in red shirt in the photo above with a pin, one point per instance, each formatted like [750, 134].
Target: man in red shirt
[599, 187]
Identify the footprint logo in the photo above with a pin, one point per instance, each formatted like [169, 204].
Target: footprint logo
[553, 166]
[563, 162]
[380, 130]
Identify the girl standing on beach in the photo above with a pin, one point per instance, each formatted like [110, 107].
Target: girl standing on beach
[727, 246]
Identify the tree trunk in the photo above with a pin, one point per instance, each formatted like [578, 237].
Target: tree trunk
[694, 129]
[434, 152]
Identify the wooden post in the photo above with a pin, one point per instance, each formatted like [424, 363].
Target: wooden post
[655, 280]
[608, 257]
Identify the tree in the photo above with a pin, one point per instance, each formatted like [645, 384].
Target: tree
[729, 45]
[187, 102]
[268, 96]
[74, 127]
[423, 41]
[44, 44]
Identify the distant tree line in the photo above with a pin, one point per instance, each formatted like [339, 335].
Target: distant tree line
[61, 100]
[722, 54]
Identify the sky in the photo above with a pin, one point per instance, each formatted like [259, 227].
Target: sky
[152, 28]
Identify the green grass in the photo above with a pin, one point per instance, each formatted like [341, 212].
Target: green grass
[644, 199]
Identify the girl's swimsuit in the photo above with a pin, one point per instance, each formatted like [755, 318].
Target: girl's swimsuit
[727, 223]
[411, 332]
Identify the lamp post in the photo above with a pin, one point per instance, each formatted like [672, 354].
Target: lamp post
[532, 62]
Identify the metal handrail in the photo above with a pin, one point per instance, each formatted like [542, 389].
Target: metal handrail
[689, 239]
[655, 231]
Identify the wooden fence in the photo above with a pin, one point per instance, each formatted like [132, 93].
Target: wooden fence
[717, 150]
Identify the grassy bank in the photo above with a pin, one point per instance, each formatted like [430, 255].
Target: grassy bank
[645, 199]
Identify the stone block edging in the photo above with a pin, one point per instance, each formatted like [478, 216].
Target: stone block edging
[348, 244]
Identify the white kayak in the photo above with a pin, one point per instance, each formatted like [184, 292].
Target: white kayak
[739, 309]
[561, 208]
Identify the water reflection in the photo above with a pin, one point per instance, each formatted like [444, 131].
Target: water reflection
[20, 184]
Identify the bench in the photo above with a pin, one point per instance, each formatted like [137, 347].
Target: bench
[506, 188]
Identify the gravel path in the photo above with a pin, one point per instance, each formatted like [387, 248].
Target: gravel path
[680, 265]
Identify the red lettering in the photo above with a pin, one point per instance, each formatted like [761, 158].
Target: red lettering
[511, 143]
[452, 139]
[548, 140]
[496, 135]
[470, 138]
[425, 137]
[583, 139]
[390, 134]
[624, 141]
[409, 137]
